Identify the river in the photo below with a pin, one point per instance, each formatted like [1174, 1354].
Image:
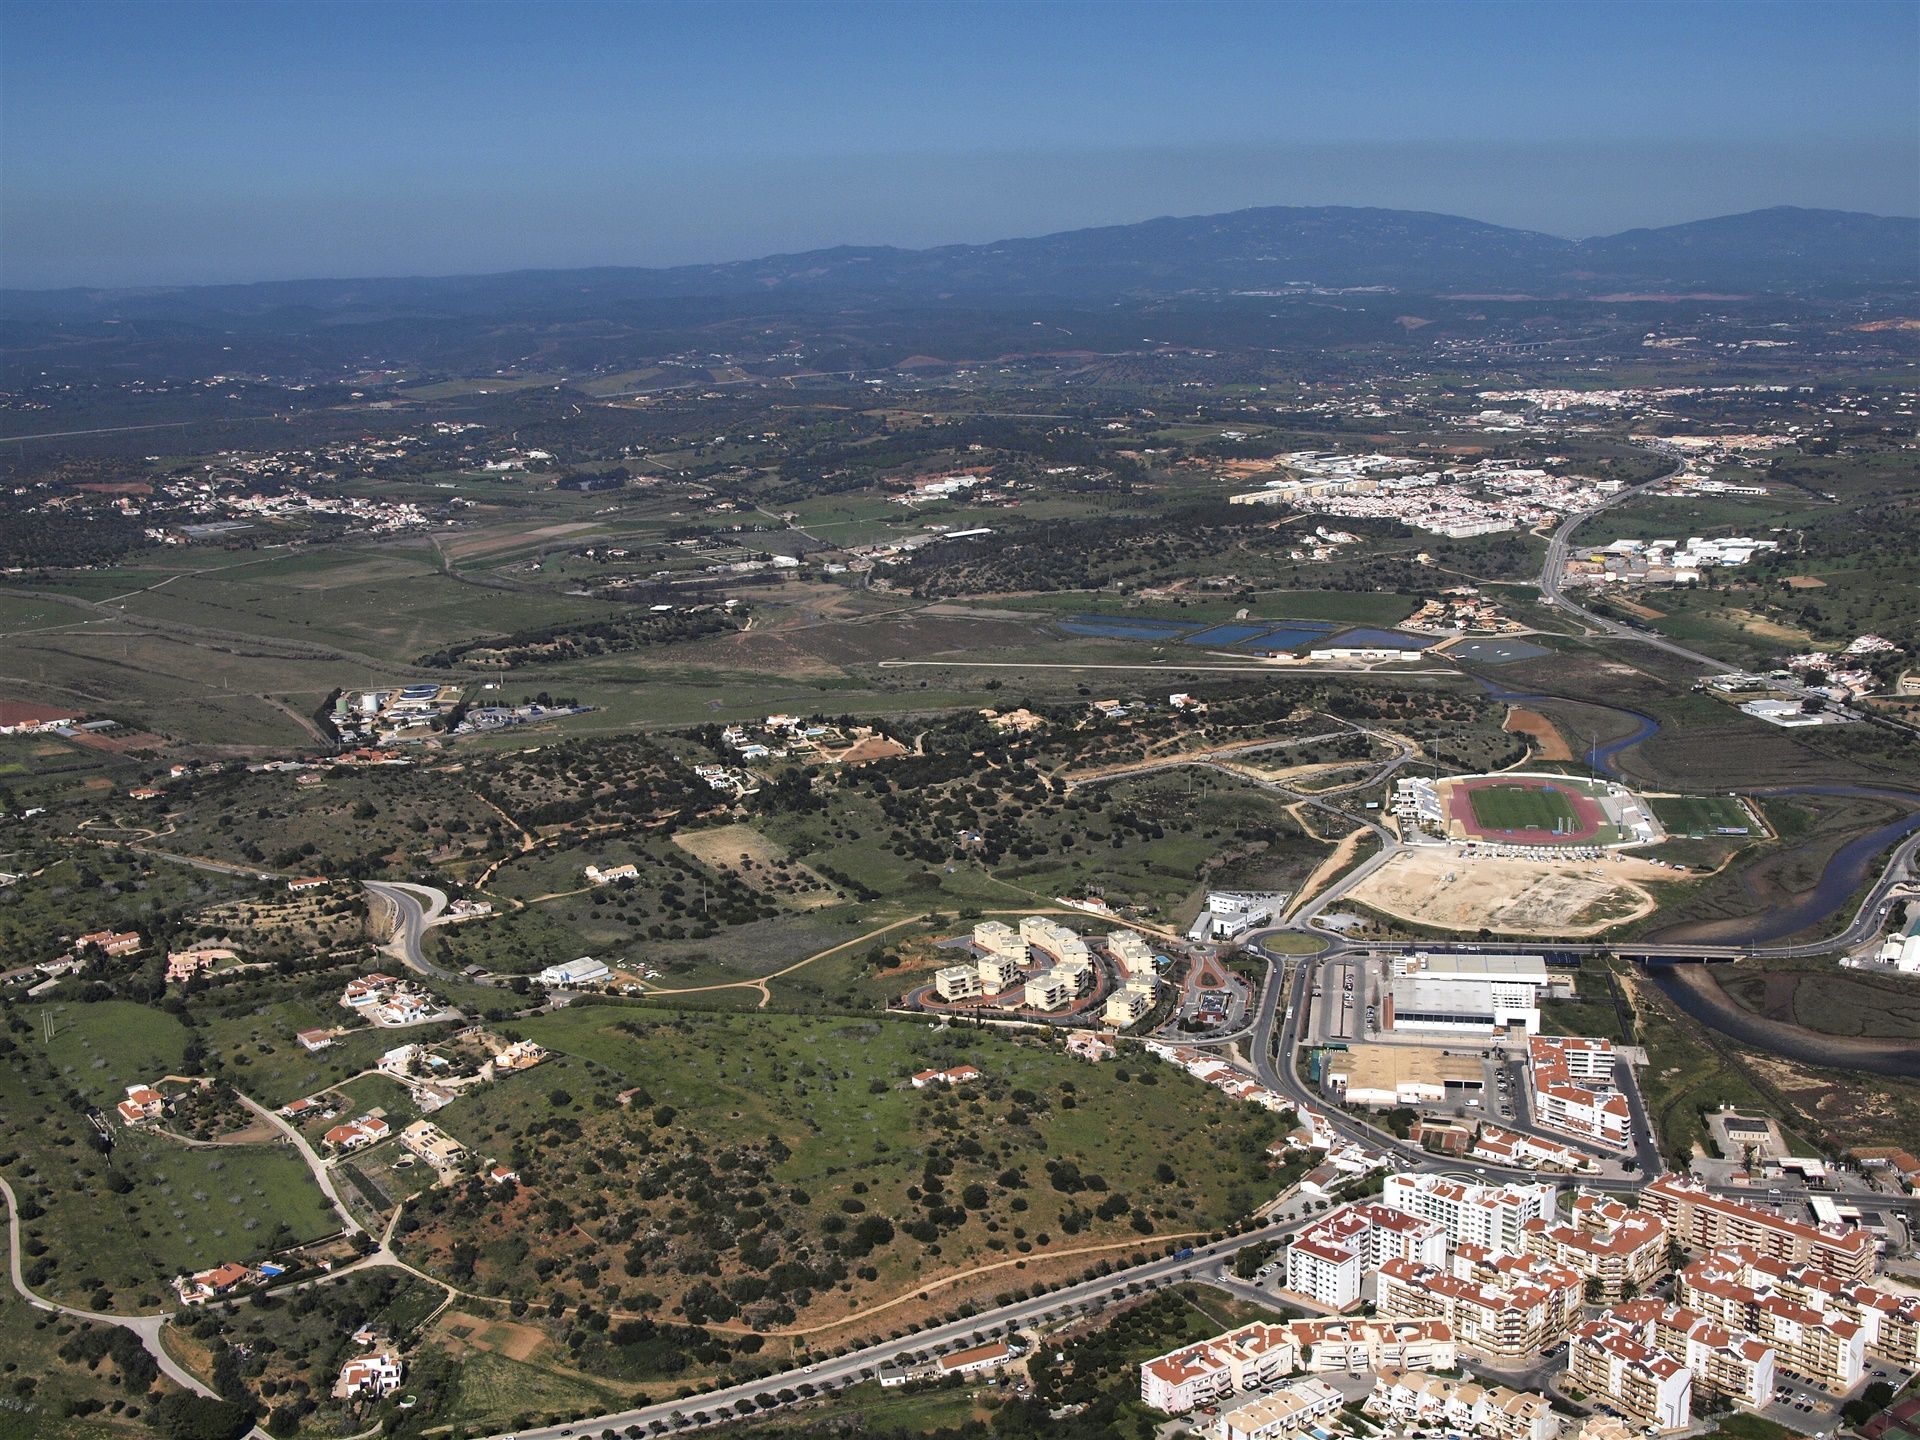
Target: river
[1847, 871]
[1693, 989]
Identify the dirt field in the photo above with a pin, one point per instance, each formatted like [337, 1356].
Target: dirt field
[489, 1333]
[1548, 743]
[874, 747]
[752, 858]
[1805, 582]
[1529, 897]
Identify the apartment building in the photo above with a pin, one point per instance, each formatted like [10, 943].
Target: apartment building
[1889, 1321]
[957, 982]
[994, 938]
[1354, 1347]
[1327, 1262]
[1619, 1252]
[1127, 1005]
[1408, 1399]
[1648, 1386]
[1294, 1409]
[1733, 1363]
[1822, 1346]
[1131, 953]
[1196, 1375]
[1573, 1089]
[1700, 1220]
[1058, 941]
[1491, 1216]
[1051, 991]
[999, 973]
[1506, 1307]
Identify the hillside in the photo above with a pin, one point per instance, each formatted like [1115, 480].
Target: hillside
[1779, 249]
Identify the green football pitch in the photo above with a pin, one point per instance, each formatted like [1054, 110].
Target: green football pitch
[1523, 807]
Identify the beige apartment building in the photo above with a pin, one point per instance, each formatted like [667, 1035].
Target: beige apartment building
[1700, 1220]
[1620, 1252]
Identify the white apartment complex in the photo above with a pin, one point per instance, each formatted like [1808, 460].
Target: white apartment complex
[994, 937]
[957, 982]
[1131, 953]
[1129, 1004]
[1573, 1089]
[1327, 1262]
[1291, 1410]
[1491, 1216]
[1259, 1354]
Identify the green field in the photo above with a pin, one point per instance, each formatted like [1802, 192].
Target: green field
[102, 1048]
[1523, 807]
[112, 1231]
[792, 1131]
[1696, 815]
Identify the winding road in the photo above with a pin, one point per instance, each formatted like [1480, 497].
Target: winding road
[147, 1327]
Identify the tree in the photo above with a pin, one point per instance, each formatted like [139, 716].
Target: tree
[193, 1417]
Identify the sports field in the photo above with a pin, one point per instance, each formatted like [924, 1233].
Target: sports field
[1526, 810]
[1704, 815]
[1523, 807]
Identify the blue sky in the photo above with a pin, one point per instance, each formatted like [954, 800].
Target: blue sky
[160, 143]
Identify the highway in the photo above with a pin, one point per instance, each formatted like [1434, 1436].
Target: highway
[1552, 575]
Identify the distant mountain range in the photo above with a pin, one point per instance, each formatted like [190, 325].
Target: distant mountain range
[1776, 250]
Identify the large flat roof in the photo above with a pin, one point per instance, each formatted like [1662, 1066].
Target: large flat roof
[1477, 967]
[1387, 1067]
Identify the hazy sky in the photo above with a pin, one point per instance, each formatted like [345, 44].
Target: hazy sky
[155, 143]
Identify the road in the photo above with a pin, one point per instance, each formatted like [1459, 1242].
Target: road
[410, 921]
[832, 1374]
[1553, 577]
[147, 1327]
[321, 1175]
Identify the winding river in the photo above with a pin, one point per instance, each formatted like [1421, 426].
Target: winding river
[1849, 868]
[1693, 989]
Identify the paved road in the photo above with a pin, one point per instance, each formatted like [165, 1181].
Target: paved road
[703, 1410]
[147, 1327]
[1553, 576]
[411, 919]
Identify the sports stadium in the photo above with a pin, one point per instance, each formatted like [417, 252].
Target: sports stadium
[1532, 810]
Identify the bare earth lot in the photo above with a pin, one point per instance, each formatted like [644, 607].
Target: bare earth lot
[1529, 897]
